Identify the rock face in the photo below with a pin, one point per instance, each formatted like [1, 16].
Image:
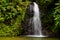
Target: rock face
[28, 22]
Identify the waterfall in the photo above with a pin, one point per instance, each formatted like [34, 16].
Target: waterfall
[36, 20]
[37, 28]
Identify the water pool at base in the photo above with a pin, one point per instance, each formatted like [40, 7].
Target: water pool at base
[27, 38]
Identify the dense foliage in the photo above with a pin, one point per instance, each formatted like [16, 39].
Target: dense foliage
[11, 14]
[56, 15]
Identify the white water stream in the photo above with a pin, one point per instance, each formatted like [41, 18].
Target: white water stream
[37, 22]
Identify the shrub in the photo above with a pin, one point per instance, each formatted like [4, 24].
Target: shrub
[11, 15]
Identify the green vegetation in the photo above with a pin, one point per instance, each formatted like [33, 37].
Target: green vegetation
[56, 15]
[12, 13]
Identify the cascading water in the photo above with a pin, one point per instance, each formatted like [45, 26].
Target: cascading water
[37, 22]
